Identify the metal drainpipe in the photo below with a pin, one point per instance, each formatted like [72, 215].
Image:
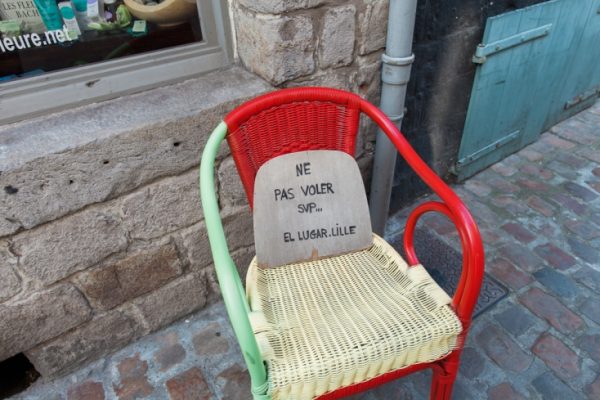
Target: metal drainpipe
[395, 74]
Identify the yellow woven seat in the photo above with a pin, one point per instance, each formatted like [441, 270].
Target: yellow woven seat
[333, 322]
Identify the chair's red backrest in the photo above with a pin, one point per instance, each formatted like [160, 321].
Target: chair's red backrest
[288, 121]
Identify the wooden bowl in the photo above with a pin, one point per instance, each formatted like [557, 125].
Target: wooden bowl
[169, 12]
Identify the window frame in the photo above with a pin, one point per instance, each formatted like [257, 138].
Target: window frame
[54, 91]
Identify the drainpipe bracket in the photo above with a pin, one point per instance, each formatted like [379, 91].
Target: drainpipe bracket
[396, 70]
[396, 118]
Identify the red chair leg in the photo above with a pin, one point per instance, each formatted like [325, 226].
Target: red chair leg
[444, 375]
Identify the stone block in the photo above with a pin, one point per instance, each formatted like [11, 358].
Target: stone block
[54, 251]
[98, 337]
[108, 286]
[279, 6]
[369, 77]
[40, 317]
[588, 277]
[163, 207]
[238, 226]
[10, 284]
[60, 163]
[336, 45]
[591, 309]
[195, 242]
[372, 24]
[580, 192]
[231, 190]
[519, 232]
[173, 301]
[277, 48]
[343, 78]
[189, 385]
[550, 309]
[562, 360]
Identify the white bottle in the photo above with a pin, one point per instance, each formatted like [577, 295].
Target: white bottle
[68, 16]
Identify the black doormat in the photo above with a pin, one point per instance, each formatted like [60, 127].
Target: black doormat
[444, 265]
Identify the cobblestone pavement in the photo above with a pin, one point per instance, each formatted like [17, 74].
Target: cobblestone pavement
[539, 213]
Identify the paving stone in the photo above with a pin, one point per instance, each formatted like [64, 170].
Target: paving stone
[582, 228]
[572, 160]
[440, 224]
[583, 250]
[590, 343]
[507, 273]
[503, 185]
[588, 277]
[579, 191]
[562, 360]
[530, 155]
[503, 350]
[139, 273]
[521, 257]
[503, 169]
[520, 233]
[237, 383]
[568, 202]
[593, 389]
[189, 385]
[504, 391]
[170, 353]
[536, 171]
[590, 154]
[133, 379]
[531, 184]
[552, 388]
[574, 134]
[563, 170]
[550, 309]
[89, 390]
[557, 142]
[596, 171]
[555, 256]
[515, 320]
[541, 206]
[471, 363]
[591, 309]
[510, 204]
[210, 340]
[478, 187]
[558, 283]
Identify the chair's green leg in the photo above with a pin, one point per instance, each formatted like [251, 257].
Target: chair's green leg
[229, 279]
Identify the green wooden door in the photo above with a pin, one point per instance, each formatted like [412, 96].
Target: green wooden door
[533, 65]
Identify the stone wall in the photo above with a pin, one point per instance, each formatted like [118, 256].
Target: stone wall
[329, 43]
[102, 238]
[446, 35]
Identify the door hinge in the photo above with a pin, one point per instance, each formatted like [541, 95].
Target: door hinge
[483, 51]
[510, 138]
[587, 95]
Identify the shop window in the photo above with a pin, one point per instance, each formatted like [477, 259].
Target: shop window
[59, 53]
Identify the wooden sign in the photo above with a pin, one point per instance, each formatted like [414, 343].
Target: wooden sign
[309, 205]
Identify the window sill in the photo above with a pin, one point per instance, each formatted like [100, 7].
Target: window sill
[54, 165]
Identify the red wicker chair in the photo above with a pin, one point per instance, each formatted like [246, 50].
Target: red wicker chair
[293, 120]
